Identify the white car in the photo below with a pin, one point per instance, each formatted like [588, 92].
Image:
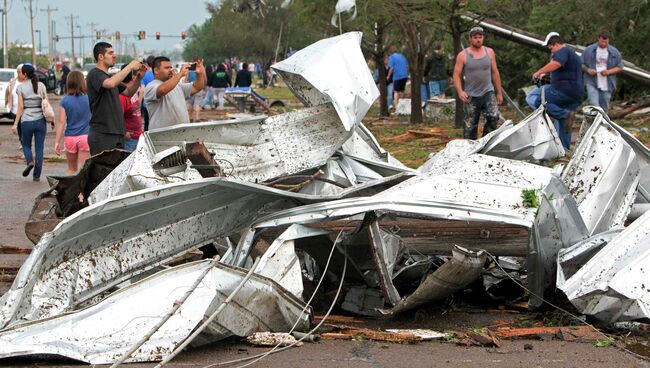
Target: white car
[5, 78]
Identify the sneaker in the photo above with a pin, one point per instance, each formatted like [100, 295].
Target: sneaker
[568, 122]
[36, 178]
[28, 169]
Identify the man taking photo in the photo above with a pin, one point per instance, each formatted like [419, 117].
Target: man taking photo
[165, 96]
[107, 123]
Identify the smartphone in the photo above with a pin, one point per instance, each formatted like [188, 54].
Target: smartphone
[193, 66]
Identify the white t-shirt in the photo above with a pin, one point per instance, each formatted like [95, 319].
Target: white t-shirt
[601, 64]
[14, 97]
[170, 109]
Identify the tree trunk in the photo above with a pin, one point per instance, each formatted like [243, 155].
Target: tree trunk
[456, 35]
[378, 55]
[416, 69]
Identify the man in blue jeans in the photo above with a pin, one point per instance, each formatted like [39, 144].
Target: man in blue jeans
[564, 94]
[601, 62]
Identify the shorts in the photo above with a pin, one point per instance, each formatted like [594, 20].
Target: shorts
[195, 100]
[76, 143]
[399, 85]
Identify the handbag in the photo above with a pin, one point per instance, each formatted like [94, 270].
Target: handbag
[48, 111]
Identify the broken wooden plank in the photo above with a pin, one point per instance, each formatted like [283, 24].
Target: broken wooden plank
[199, 155]
[569, 333]
[374, 335]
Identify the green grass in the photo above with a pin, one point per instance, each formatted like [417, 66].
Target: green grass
[529, 197]
[277, 93]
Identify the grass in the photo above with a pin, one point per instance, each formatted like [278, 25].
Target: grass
[277, 93]
[529, 197]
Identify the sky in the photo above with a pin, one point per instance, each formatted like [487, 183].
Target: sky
[169, 17]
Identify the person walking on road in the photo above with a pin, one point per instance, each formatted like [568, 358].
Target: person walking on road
[244, 77]
[564, 94]
[31, 119]
[106, 122]
[600, 63]
[481, 90]
[74, 116]
[220, 81]
[165, 96]
[398, 72]
[11, 98]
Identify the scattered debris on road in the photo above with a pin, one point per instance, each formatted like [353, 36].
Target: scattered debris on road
[304, 211]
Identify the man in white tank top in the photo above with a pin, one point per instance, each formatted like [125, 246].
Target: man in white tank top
[481, 90]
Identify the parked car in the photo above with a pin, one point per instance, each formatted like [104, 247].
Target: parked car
[5, 77]
[47, 77]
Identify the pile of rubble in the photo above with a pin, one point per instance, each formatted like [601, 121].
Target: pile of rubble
[305, 210]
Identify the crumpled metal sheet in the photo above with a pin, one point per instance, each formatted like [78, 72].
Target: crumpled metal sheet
[124, 236]
[558, 225]
[602, 176]
[114, 240]
[614, 285]
[571, 259]
[280, 262]
[252, 150]
[363, 145]
[463, 268]
[478, 188]
[642, 153]
[105, 331]
[308, 74]
[533, 139]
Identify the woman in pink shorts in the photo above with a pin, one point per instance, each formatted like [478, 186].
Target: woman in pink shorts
[74, 115]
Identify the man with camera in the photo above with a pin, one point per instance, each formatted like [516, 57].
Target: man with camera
[165, 96]
[107, 123]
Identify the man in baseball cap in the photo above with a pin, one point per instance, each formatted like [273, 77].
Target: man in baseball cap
[478, 84]
[564, 94]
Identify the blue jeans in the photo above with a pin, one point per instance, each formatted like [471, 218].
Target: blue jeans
[437, 87]
[597, 97]
[424, 93]
[208, 101]
[130, 144]
[558, 106]
[389, 95]
[36, 129]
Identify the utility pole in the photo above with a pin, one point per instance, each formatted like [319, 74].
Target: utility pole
[39, 41]
[92, 26]
[50, 36]
[72, 17]
[81, 44]
[5, 39]
[31, 24]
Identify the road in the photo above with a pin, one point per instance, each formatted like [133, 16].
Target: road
[17, 198]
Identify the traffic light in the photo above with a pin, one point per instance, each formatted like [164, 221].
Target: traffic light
[117, 35]
[141, 35]
[183, 35]
[157, 35]
[98, 34]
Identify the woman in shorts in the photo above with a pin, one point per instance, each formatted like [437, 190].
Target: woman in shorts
[74, 115]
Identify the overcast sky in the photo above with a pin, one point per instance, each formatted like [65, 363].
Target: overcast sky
[169, 17]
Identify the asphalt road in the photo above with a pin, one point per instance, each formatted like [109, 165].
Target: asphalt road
[17, 197]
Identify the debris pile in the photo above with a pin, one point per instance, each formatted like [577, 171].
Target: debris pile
[305, 210]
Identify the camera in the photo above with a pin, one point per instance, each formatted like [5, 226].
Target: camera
[193, 66]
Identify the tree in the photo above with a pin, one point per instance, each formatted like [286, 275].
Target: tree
[415, 20]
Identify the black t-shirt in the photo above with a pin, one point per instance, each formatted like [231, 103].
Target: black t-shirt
[65, 71]
[243, 79]
[106, 110]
